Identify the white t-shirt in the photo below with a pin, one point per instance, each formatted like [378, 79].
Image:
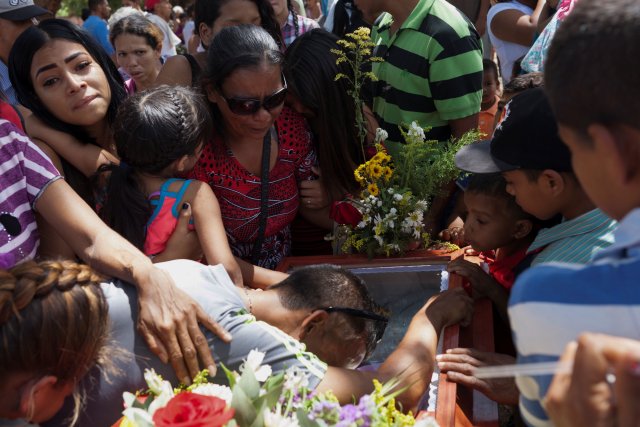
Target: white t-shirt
[508, 52]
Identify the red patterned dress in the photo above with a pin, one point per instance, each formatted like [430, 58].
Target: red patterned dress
[238, 190]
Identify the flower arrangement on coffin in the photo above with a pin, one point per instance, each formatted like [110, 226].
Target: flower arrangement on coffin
[386, 218]
[256, 398]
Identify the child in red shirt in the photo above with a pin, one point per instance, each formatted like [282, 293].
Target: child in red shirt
[501, 231]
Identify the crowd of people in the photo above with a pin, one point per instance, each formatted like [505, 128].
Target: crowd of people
[158, 165]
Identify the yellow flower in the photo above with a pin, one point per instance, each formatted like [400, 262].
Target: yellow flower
[379, 157]
[388, 173]
[358, 176]
[373, 189]
[376, 171]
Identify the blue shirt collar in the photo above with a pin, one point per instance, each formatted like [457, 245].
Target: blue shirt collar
[626, 238]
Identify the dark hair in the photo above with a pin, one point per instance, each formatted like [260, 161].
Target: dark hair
[238, 47]
[347, 18]
[137, 25]
[310, 68]
[31, 41]
[523, 82]
[153, 129]
[93, 4]
[601, 40]
[494, 185]
[85, 13]
[208, 11]
[316, 286]
[490, 66]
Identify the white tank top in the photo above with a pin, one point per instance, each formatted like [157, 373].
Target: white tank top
[508, 52]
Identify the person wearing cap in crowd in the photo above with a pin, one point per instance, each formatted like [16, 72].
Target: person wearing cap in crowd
[97, 26]
[528, 151]
[160, 14]
[15, 17]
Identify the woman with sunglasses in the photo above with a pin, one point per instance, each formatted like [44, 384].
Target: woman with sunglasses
[261, 151]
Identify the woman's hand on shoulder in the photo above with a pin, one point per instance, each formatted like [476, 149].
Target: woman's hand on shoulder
[169, 322]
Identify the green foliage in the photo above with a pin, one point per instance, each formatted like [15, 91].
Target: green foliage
[426, 166]
[356, 50]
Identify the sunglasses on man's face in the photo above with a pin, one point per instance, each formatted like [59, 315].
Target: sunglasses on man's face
[249, 106]
[379, 326]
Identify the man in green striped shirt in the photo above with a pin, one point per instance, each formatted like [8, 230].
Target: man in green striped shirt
[432, 69]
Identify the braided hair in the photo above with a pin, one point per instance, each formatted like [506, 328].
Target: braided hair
[53, 320]
[152, 130]
[294, 15]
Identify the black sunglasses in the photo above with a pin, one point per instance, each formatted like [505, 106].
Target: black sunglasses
[379, 326]
[249, 106]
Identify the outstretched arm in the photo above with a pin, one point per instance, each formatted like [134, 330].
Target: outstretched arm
[168, 318]
[413, 360]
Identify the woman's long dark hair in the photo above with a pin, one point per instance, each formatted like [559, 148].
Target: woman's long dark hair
[239, 47]
[153, 129]
[20, 59]
[310, 69]
[208, 11]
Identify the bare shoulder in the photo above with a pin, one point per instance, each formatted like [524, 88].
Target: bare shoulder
[175, 71]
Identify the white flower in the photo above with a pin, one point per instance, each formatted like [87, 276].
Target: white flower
[377, 219]
[393, 211]
[422, 205]
[295, 379]
[254, 359]
[361, 224]
[276, 420]
[397, 197]
[381, 135]
[216, 390]
[138, 417]
[390, 190]
[416, 132]
[154, 381]
[379, 239]
[379, 203]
